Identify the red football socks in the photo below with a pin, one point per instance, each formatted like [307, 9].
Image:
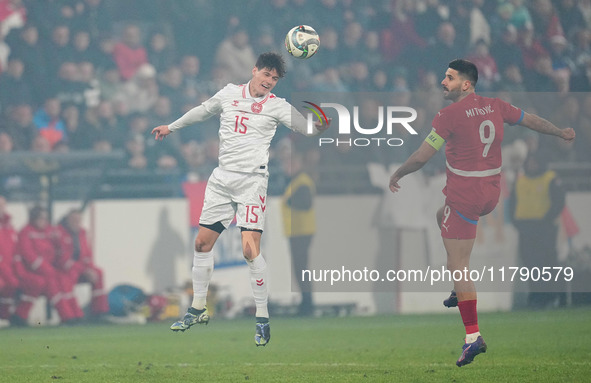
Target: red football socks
[469, 315]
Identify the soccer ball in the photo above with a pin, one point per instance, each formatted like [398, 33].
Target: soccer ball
[302, 42]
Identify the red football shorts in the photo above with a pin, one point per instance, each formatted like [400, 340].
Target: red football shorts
[465, 204]
[455, 225]
[458, 223]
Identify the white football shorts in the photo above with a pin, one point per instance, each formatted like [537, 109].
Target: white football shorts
[230, 194]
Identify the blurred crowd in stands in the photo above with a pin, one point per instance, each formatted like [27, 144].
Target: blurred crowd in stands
[99, 74]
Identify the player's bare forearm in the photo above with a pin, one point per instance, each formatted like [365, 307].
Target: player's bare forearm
[197, 114]
[411, 165]
[415, 162]
[541, 125]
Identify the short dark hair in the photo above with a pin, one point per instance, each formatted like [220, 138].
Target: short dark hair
[271, 60]
[465, 68]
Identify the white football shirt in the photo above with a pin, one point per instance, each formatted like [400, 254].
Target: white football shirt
[247, 125]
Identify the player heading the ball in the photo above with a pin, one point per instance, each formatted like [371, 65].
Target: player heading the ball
[249, 115]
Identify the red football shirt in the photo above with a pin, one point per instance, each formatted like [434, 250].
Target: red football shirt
[473, 131]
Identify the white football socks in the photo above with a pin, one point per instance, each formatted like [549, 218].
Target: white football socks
[471, 338]
[201, 273]
[258, 282]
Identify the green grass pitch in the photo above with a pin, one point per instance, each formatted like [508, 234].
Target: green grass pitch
[524, 346]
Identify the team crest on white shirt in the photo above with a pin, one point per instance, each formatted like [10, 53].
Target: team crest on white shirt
[256, 107]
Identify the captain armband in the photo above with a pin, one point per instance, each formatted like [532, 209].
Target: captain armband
[435, 140]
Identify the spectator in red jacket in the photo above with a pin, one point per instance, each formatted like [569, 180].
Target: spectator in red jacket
[8, 280]
[37, 250]
[76, 260]
[130, 54]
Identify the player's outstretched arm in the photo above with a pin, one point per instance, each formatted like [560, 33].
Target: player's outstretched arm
[415, 162]
[541, 125]
[197, 114]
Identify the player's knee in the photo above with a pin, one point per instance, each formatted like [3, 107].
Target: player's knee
[250, 245]
[202, 246]
[457, 262]
[248, 253]
[450, 265]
